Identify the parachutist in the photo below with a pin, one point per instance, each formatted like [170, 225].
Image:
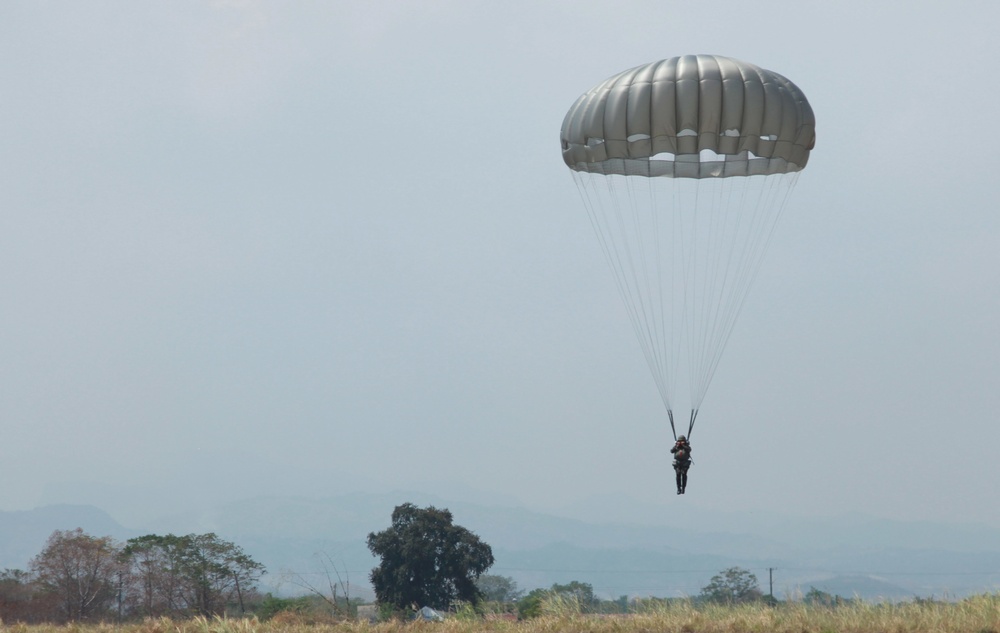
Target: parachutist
[700, 152]
[682, 461]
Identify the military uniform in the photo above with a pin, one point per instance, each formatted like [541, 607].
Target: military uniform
[682, 461]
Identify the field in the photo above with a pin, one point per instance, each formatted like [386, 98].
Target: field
[974, 615]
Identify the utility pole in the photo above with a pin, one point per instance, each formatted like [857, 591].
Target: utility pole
[770, 582]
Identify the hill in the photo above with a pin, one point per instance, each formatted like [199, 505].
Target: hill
[299, 537]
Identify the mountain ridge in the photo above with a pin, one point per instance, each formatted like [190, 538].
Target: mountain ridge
[288, 534]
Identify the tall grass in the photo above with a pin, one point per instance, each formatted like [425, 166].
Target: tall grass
[979, 614]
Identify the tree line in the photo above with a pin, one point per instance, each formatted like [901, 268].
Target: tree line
[425, 560]
[79, 577]
[729, 587]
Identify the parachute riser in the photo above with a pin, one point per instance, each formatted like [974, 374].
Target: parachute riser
[673, 429]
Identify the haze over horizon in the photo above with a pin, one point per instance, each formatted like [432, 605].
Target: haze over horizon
[257, 248]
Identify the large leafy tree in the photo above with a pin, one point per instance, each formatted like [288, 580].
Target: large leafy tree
[218, 573]
[732, 586]
[157, 580]
[197, 574]
[427, 560]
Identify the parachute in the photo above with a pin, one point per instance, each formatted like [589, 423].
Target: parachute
[684, 167]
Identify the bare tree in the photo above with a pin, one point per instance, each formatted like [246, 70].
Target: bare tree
[81, 571]
[337, 591]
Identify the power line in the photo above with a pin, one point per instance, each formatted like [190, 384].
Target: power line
[813, 570]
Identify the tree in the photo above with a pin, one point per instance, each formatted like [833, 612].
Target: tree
[580, 592]
[156, 576]
[427, 560]
[530, 606]
[197, 574]
[336, 594]
[271, 606]
[818, 597]
[501, 589]
[732, 586]
[576, 596]
[20, 598]
[216, 573]
[618, 605]
[81, 572]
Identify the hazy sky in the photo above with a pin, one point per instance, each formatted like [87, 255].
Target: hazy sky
[316, 247]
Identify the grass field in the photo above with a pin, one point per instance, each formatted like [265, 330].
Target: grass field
[974, 615]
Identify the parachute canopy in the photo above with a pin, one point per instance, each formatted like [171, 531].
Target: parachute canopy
[658, 119]
[684, 166]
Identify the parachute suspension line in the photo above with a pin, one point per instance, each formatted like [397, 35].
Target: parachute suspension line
[705, 219]
[694, 414]
[748, 228]
[640, 299]
[670, 414]
[725, 234]
[767, 211]
[678, 276]
[694, 301]
[668, 369]
[649, 296]
[718, 289]
[705, 272]
[683, 279]
[608, 221]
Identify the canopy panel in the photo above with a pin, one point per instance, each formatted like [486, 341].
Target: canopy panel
[696, 116]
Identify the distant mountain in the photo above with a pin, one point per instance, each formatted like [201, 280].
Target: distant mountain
[788, 530]
[300, 538]
[23, 533]
[864, 586]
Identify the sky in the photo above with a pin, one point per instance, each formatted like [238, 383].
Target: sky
[321, 247]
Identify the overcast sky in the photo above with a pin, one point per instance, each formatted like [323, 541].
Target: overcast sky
[321, 247]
